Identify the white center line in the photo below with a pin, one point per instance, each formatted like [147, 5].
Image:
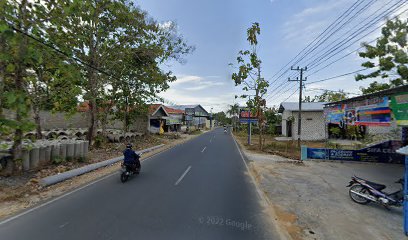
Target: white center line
[203, 149]
[182, 176]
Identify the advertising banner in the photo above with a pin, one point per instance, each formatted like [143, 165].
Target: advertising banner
[399, 106]
[383, 152]
[367, 112]
[246, 116]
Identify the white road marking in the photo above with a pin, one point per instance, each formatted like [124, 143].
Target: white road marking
[68, 193]
[203, 149]
[63, 225]
[182, 176]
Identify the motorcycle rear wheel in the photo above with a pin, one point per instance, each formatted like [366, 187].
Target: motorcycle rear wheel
[356, 198]
[124, 177]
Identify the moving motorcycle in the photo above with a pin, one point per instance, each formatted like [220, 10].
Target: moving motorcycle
[362, 191]
[128, 170]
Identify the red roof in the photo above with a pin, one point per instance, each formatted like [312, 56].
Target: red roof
[153, 108]
[170, 110]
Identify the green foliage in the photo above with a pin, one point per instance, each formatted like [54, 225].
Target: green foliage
[336, 131]
[327, 96]
[57, 160]
[392, 57]
[249, 76]
[221, 118]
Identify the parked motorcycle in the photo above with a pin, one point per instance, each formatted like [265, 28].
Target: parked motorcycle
[362, 191]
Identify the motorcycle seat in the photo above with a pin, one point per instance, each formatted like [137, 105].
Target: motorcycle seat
[374, 185]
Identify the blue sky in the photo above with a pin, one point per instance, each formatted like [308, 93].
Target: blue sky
[217, 29]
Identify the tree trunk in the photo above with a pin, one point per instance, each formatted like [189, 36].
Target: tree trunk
[36, 105]
[37, 120]
[18, 84]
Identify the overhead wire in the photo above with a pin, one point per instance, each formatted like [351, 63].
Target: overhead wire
[339, 20]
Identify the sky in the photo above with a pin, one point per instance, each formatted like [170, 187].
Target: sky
[217, 29]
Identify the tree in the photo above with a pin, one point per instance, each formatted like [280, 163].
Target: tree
[222, 118]
[389, 55]
[233, 111]
[249, 75]
[124, 49]
[327, 96]
[273, 118]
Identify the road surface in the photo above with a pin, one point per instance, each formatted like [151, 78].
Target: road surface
[196, 190]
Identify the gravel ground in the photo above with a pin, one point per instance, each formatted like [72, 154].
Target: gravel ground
[310, 199]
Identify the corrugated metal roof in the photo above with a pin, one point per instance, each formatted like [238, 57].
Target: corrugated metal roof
[306, 106]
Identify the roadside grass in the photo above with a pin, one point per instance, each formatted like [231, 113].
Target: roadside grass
[288, 149]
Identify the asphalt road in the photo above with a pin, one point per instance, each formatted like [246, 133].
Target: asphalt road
[196, 190]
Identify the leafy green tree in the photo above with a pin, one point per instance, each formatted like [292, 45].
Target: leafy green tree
[273, 118]
[125, 43]
[221, 118]
[17, 55]
[327, 96]
[249, 76]
[233, 111]
[389, 55]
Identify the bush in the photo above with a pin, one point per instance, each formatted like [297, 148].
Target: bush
[57, 160]
[99, 141]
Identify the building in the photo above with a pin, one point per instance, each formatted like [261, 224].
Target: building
[200, 119]
[164, 119]
[379, 115]
[313, 125]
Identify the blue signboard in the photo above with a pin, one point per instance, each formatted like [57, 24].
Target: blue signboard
[382, 152]
[245, 120]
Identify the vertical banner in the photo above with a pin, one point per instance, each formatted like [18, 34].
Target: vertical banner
[399, 106]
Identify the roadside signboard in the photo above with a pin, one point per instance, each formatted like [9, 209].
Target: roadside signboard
[246, 116]
[399, 106]
[190, 111]
[383, 152]
[367, 112]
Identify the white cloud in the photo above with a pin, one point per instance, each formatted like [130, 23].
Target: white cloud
[186, 79]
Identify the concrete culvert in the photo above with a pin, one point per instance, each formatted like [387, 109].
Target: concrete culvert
[62, 133]
[78, 134]
[34, 158]
[121, 138]
[63, 137]
[51, 135]
[70, 150]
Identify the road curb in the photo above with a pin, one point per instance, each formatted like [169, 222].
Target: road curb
[50, 180]
[283, 234]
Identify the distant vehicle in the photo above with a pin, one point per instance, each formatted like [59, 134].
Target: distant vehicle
[363, 191]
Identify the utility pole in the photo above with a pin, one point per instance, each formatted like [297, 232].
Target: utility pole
[249, 124]
[301, 70]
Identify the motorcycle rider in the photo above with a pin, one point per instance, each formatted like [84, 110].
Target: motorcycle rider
[131, 158]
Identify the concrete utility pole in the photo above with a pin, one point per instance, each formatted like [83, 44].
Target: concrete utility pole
[301, 70]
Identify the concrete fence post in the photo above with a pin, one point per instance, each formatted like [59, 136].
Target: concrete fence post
[63, 151]
[26, 160]
[70, 150]
[34, 158]
[42, 154]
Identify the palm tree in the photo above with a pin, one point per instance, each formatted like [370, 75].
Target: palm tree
[233, 111]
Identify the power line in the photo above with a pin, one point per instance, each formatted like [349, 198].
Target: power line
[352, 7]
[326, 55]
[318, 61]
[341, 75]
